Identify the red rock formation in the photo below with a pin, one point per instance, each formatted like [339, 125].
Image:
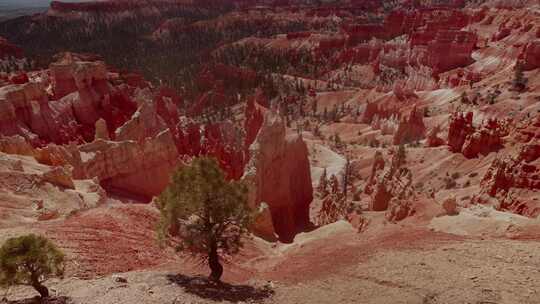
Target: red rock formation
[411, 128]
[70, 74]
[360, 54]
[84, 87]
[141, 168]
[143, 124]
[503, 177]
[530, 57]
[378, 165]
[378, 110]
[483, 141]
[288, 193]
[26, 111]
[364, 32]
[459, 128]
[508, 181]
[390, 187]
[433, 139]
[465, 138]
[381, 197]
[451, 49]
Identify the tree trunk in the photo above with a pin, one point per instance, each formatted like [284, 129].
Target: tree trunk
[43, 291]
[215, 266]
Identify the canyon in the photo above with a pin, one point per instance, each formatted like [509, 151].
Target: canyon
[390, 149]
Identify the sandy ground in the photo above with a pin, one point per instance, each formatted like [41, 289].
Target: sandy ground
[429, 270]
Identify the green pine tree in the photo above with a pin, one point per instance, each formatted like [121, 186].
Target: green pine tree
[30, 260]
[210, 213]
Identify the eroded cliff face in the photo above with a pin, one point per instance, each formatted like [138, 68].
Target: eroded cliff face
[278, 175]
[141, 168]
[130, 138]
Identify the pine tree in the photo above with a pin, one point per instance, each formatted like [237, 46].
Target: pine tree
[30, 260]
[209, 212]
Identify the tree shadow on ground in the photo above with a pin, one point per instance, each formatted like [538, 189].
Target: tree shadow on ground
[207, 289]
[38, 300]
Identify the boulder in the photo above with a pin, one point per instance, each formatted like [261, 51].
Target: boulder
[19, 78]
[263, 225]
[16, 145]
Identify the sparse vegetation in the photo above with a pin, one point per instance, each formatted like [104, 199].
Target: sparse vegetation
[208, 212]
[30, 260]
